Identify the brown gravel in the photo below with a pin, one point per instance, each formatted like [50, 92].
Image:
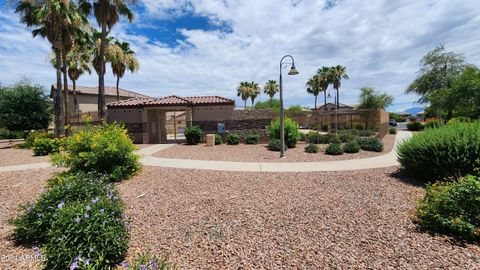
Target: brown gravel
[10, 156]
[324, 220]
[259, 153]
[17, 188]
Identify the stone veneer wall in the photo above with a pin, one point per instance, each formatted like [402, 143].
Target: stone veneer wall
[242, 122]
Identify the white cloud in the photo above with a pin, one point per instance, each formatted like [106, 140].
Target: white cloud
[380, 43]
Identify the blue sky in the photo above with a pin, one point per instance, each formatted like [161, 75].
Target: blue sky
[206, 47]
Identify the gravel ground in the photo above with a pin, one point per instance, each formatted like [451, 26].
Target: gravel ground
[254, 153]
[17, 188]
[10, 156]
[325, 220]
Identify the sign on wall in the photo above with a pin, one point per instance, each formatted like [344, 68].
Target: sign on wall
[220, 128]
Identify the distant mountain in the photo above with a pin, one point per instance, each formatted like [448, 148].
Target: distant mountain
[414, 110]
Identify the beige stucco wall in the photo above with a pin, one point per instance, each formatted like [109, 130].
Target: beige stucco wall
[212, 113]
[88, 103]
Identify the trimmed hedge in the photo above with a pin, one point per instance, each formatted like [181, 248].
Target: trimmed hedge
[252, 138]
[46, 146]
[452, 208]
[439, 153]
[218, 139]
[311, 148]
[371, 144]
[233, 139]
[334, 149]
[351, 147]
[193, 134]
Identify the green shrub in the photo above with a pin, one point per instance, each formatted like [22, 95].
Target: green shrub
[452, 208]
[103, 149]
[311, 148]
[233, 139]
[32, 225]
[358, 127]
[392, 130]
[303, 136]
[433, 124]
[252, 138]
[84, 231]
[218, 139]
[274, 145]
[32, 136]
[366, 132]
[351, 147]
[371, 144]
[460, 119]
[146, 261]
[348, 136]
[7, 134]
[46, 146]
[434, 154]
[334, 149]
[312, 137]
[291, 131]
[415, 126]
[193, 134]
[333, 138]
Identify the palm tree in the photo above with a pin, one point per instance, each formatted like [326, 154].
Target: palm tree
[107, 13]
[243, 91]
[338, 73]
[78, 63]
[123, 59]
[271, 88]
[54, 20]
[323, 76]
[314, 87]
[254, 92]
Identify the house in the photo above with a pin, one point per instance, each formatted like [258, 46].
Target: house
[163, 120]
[331, 107]
[87, 97]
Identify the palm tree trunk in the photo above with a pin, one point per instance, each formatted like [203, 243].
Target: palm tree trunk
[271, 102]
[315, 102]
[118, 93]
[75, 102]
[65, 83]
[338, 98]
[245, 104]
[253, 101]
[101, 75]
[58, 105]
[325, 100]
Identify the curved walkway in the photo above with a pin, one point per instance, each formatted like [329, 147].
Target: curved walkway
[387, 160]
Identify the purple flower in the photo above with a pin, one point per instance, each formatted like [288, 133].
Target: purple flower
[104, 222]
[60, 205]
[77, 219]
[49, 207]
[102, 210]
[154, 265]
[79, 257]
[86, 216]
[30, 207]
[37, 250]
[95, 200]
[90, 249]
[74, 265]
[143, 267]
[124, 264]
[87, 261]
[88, 207]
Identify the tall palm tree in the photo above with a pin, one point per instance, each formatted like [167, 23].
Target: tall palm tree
[53, 20]
[123, 59]
[314, 87]
[271, 88]
[338, 73]
[254, 92]
[243, 91]
[107, 13]
[323, 76]
[78, 63]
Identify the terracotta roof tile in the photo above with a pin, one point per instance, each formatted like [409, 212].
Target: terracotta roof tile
[109, 91]
[198, 100]
[172, 101]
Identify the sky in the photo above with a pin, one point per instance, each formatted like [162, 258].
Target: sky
[206, 47]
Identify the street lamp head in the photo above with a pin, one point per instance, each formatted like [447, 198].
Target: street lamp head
[293, 70]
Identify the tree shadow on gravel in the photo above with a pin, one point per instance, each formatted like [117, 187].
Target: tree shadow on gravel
[447, 238]
[403, 177]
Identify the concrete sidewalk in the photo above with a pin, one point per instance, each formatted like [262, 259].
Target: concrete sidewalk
[387, 160]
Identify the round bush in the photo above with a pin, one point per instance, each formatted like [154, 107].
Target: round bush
[274, 145]
[102, 149]
[233, 139]
[415, 126]
[303, 137]
[452, 208]
[334, 138]
[311, 148]
[334, 149]
[193, 134]
[392, 130]
[446, 151]
[291, 131]
[218, 139]
[351, 147]
[252, 138]
[371, 144]
[46, 146]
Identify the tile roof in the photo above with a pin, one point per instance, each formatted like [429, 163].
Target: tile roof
[109, 91]
[172, 101]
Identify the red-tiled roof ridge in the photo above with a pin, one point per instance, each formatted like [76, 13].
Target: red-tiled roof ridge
[93, 90]
[172, 100]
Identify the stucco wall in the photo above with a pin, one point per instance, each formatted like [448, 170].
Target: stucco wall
[212, 113]
[134, 120]
[88, 103]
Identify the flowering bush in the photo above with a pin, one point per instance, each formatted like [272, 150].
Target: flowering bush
[103, 149]
[46, 146]
[32, 136]
[146, 261]
[452, 208]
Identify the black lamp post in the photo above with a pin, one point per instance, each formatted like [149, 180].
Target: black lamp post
[293, 71]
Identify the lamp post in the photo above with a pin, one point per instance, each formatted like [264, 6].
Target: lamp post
[293, 71]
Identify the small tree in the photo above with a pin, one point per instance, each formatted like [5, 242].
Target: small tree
[24, 106]
[371, 99]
